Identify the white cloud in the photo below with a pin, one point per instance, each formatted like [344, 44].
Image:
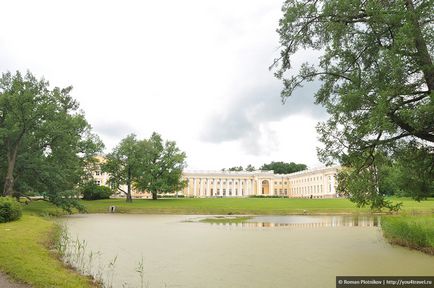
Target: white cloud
[194, 71]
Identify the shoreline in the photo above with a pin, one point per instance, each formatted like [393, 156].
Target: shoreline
[35, 215]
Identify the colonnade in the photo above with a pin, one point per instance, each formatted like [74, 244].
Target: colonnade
[210, 186]
[315, 183]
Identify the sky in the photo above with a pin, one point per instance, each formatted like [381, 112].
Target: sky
[195, 71]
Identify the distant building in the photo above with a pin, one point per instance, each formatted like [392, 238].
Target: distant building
[313, 183]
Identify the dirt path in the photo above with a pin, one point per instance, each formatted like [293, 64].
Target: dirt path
[6, 282]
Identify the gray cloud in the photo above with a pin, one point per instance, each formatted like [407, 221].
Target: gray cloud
[114, 130]
[246, 119]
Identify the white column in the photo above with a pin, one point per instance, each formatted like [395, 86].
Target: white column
[214, 181]
[240, 187]
[227, 187]
[271, 186]
[208, 193]
[188, 186]
[194, 187]
[248, 182]
[259, 187]
[221, 187]
[233, 188]
[201, 187]
[333, 191]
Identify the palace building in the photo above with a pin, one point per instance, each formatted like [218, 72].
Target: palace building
[313, 183]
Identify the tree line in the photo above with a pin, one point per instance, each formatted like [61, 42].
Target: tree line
[48, 148]
[278, 167]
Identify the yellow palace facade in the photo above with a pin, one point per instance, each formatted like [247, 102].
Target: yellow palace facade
[314, 183]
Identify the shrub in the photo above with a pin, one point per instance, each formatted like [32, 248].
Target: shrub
[10, 210]
[91, 191]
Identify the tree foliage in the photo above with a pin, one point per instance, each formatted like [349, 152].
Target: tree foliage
[250, 168]
[162, 167]
[124, 165]
[283, 168]
[377, 81]
[236, 168]
[45, 141]
[150, 165]
[409, 173]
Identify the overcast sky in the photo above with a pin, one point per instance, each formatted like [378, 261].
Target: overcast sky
[194, 71]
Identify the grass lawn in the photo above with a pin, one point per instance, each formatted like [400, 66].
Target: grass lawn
[25, 254]
[256, 206]
[236, 206]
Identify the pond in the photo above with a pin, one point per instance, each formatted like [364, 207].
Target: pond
[265, 251]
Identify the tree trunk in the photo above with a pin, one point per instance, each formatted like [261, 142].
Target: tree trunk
[8, 188]
[129, 198]
[154, 195]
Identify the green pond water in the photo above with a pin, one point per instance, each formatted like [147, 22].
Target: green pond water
[266, 251]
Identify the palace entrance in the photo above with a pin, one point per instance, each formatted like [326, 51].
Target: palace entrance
[265, 187]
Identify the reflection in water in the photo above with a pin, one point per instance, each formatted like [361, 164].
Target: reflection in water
[306, 222]
[175, 254]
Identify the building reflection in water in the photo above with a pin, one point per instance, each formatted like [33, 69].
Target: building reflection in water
[306, 222]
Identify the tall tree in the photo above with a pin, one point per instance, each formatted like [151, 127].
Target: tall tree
[44, 139]
[283, 168]
[162, 167]
[124, 165]
[377, 81]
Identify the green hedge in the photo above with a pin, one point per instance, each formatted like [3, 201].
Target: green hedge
[10, 210]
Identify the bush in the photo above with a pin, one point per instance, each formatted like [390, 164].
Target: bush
[91, 191]
[10, 210]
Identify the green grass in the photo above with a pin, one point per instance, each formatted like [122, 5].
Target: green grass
[244, 206]
[225, 219]
[416, 232]
[25, 255]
